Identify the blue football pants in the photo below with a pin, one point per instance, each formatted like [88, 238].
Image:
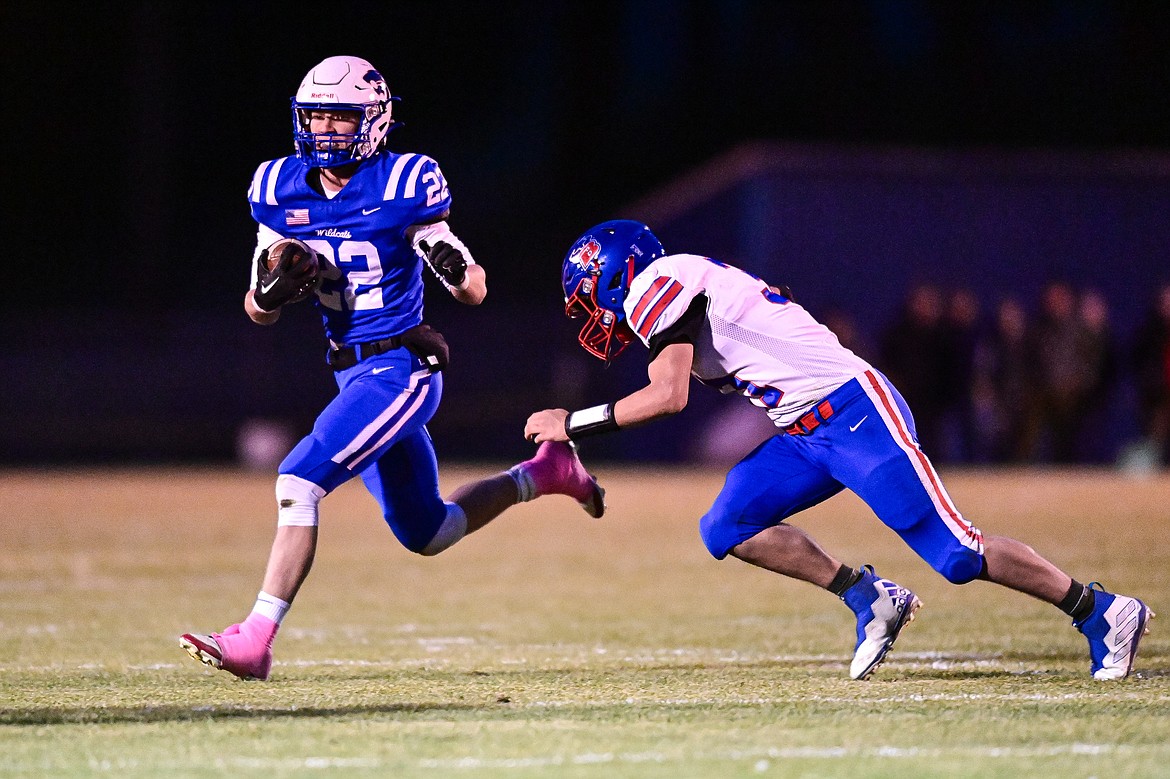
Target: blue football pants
[868, 445]
[376, 428]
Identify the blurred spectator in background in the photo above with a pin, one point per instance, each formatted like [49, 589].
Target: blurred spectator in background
[914, 357]
[1003, 389]
[1066, 372]
[1100, 356]
[844, 326]
[961, 335]
[1151, 359]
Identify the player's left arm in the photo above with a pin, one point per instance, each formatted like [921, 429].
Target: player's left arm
[666, 394]
[450, 260]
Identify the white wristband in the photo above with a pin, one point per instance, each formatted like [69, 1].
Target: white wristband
[590, 421]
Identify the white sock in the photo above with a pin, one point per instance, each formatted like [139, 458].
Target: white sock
[525, 486]
[270, 606]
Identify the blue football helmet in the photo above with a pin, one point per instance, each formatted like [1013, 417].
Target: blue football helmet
[341, 84]
[596, 278]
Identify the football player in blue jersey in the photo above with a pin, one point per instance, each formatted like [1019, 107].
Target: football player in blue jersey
[363, 222]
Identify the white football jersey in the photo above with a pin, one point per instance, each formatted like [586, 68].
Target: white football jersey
[752, 340]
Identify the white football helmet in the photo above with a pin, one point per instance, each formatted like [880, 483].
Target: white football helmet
[341, 84]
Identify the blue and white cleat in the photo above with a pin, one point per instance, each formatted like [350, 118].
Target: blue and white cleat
[883, 609]
[1114, 629]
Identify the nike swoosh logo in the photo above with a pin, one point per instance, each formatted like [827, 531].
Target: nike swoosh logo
[368, 211]
[269, 285]
[376, 371]
[854, 427]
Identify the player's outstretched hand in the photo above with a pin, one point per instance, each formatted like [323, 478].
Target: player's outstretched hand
[447, 261]
[429, 344]
[547, 425]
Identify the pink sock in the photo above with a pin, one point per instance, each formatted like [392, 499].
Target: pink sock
[260, 629]
[246, 648]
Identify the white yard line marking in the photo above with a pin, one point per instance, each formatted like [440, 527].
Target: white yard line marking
[790, 753]
[583, 656]
[759, 755]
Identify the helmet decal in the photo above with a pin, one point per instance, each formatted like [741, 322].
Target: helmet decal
[375, 82]
[586, 256]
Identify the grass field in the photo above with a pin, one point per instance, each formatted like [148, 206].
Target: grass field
[555, 645]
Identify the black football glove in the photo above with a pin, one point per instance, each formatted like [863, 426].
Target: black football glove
[429, 344]
[292, 279]
[447, 261]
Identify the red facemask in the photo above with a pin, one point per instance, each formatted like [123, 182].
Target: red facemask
[604, 334]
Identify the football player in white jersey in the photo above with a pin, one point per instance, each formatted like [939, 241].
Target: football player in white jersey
[841, 425]
[369, 219]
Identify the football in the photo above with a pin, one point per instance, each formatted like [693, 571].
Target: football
[293, 248]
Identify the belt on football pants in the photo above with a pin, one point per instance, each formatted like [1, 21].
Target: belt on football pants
[341, 357]
[812, 420]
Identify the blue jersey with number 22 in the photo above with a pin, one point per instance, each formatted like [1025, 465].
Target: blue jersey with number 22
[372, 286]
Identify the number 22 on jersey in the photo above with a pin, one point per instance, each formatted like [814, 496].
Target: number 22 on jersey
[362, 270]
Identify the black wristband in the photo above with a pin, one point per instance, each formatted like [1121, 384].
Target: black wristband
[590, 421]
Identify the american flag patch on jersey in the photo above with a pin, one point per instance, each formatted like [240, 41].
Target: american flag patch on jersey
[296, 216]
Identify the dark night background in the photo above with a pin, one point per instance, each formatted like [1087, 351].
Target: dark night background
[133, 132]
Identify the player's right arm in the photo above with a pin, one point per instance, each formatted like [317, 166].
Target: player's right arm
[257, 314]
[265, 236]
[666, 394]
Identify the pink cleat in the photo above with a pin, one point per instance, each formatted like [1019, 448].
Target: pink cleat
[243, 650]
[556, 470]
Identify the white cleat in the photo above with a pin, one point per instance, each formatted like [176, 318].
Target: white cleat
[1114, 629]
[883, 609]
[202, 648]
